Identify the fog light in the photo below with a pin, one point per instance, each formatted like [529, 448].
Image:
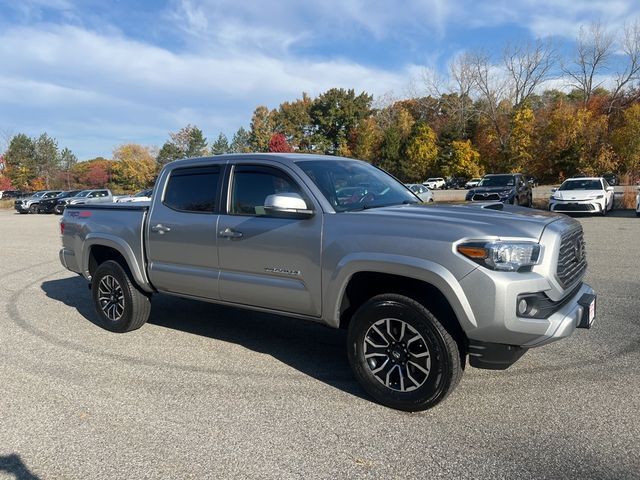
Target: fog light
[523, 306]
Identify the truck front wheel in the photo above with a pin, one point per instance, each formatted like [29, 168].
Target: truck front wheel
[401, 354]
[120, 305]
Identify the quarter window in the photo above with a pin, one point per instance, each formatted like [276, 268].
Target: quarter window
[253, 184]
[193, 189]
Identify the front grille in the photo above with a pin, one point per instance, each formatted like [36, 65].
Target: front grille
[572, 259]
[575, 207]
[478, 197]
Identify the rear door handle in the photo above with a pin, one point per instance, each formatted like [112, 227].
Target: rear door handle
[161, 229]
[230, 233]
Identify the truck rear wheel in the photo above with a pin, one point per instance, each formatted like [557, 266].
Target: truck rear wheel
[120, 305]
[401, 354]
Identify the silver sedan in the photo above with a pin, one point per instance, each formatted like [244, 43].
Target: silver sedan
[422, 192]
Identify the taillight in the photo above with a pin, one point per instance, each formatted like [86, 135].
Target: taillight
[61, 228]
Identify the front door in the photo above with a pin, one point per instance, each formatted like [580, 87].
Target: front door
[267, 261]
[182, 243]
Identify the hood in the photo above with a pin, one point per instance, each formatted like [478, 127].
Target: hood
[491, 189]
[577, 194]
[477, 219]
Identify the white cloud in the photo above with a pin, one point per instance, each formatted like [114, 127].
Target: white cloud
[78, 79]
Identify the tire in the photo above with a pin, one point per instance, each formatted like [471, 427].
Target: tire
[125, 308]
[417, 339]
[22, 212]
[33, 208]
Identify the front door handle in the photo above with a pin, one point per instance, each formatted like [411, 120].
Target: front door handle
[161, 229]
[230, 233]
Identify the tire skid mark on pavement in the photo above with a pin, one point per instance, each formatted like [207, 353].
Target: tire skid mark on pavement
[20, 270]
[18, 319]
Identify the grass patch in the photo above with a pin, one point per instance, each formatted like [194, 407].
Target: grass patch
[6, 204]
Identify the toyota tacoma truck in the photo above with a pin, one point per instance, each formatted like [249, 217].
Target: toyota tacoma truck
[420, 288]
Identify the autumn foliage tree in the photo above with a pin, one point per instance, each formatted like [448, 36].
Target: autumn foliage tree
[134, 167]
[278, 143]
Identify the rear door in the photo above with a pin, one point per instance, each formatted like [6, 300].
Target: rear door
[267, 261]
[181, 232]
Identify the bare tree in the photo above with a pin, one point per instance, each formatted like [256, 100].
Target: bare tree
[527, 66]
[630, 45]
[455, 92]
[491, 87]
[593, 51]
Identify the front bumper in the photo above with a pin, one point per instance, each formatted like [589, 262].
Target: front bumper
[21, 207]
[576, 206]
[493, 297]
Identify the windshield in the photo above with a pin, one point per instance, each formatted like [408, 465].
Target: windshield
[581, 185]
[38, 195]
[497, 181]
[350, 185]
[83, 193]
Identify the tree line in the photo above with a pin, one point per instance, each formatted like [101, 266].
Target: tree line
[486, 115]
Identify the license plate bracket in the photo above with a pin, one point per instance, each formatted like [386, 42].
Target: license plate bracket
[588, 304]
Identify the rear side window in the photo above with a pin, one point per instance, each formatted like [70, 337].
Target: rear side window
[193, 189]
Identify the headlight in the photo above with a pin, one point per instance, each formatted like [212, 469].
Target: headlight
[506, 193]
[600, 196]
[504, 256]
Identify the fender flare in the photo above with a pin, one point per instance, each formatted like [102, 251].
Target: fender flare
[119, 245]
[414, 268]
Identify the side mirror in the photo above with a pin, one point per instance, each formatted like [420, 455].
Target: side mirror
[287, 205]
[553, 190]
[610, 189]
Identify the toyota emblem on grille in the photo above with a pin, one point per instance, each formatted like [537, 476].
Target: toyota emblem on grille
[578, 249]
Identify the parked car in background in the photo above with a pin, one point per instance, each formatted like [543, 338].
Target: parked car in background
[32, 204]
[455, 182]
[611, 178]
[48, 205]
[422, 192]
[507, 188]
[582, 195]
[102, 195]
[142, 196]
[472, 183]
[63, 202]
[434, 183]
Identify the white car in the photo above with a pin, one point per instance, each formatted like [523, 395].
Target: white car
[582, 195]
[422, 192]
[472, 183]
[434, 183]
[142, 196]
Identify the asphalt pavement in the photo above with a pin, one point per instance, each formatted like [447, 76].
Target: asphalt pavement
[203, 391]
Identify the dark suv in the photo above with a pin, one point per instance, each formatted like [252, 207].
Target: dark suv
[48, 205]
[507, 188]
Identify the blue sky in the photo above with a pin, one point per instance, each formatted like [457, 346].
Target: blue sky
[95, 74]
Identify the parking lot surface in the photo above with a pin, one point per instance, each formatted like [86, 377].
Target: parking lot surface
[203, 391]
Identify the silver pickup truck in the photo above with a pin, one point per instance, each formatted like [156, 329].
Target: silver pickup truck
[420, 288]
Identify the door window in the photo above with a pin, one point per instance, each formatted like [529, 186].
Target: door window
[253, 184]
[193, 189]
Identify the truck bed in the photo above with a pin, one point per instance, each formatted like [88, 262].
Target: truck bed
[120, 227]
